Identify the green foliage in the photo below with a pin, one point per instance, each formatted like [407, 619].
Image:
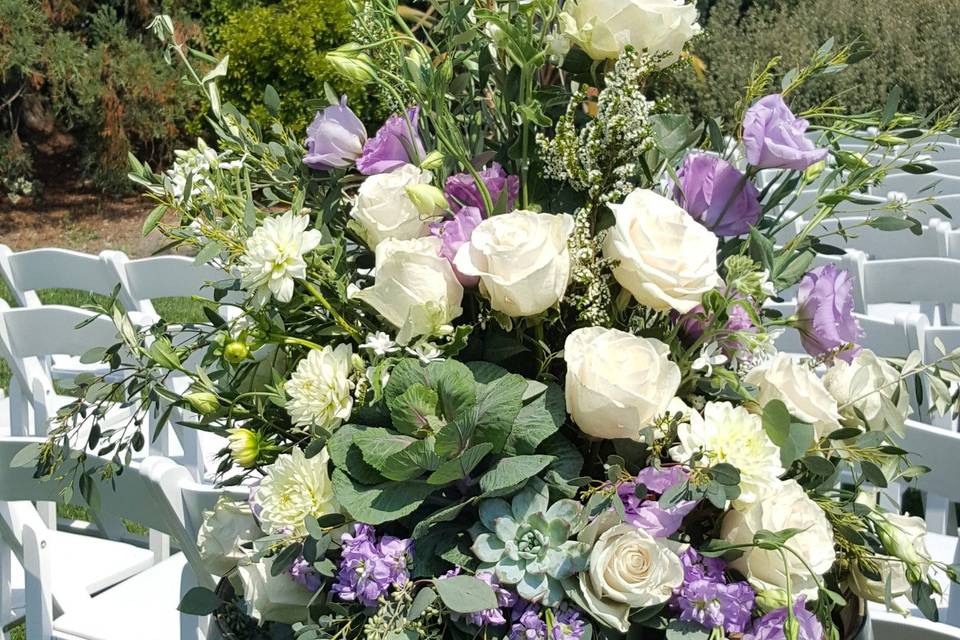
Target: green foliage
[911, 47]
[85, 80]
[282, 44]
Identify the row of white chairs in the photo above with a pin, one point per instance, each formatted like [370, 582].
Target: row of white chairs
[77, 587]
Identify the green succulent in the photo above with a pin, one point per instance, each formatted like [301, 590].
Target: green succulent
[526, 542]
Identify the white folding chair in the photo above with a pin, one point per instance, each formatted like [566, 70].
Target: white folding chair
[27, 272]
[917, 185]
[147, 279]
[889, 625]
[59, 605]
[931, 283]
[879, 244]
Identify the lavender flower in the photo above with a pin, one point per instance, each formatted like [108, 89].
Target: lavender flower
[771, 626]
[505, 598]
[717, 195]
[738, 319]
[462, 190]
[335, 138]
[774, 138]
[303, 573]
[708, 599]
[647, 514]
[825, 312]
[455, 233]
[368, 567]
[397, 143]
[528, 624]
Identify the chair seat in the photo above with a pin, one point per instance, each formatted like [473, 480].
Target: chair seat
[141, 608]
[100, 563]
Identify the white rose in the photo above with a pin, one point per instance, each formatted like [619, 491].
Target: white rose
[603, 28]
[522, 260]
[667, 260]
[617, 383]
[731, 434]
[868, 385]
[787, 507]
[629, 569]
[415, 289]
[224, 529]
[273, 598]
[384, 210]
[783, 378]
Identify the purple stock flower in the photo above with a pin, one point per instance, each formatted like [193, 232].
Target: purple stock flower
[462, 190]
[369, 567]
[455, 233]
[392, 146]
[505, 598]
[770, 626]
[708, 599]
[647, 514]
[303, 573]
[717, 195]
[825, 312]
[529, 625]
[774, 138]
[335, 138]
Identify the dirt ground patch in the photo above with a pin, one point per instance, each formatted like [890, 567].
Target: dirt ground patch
[73, 216]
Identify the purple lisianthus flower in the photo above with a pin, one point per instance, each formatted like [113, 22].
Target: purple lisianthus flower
[825, 312]
[505, 598]
[303, 573]
[455, 233]
[697, 567]
[738, 319]
[717, 195]
[370, 567]
[770, 626]
[774, 137]
[335, 138]
[393, 145]
[647, 514]
[462, 190]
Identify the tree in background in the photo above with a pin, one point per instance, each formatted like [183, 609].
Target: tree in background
[82, 82]
[913, 45]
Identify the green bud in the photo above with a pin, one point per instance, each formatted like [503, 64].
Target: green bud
[352, 63]
[853, 161]
[889, 140]
[203, 402]
[427, 199]
[235, 352]
[432, 162]
[814, 170]
[244, 447]
[771, 599]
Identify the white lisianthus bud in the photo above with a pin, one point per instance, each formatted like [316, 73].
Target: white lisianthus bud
[352, 63]
[432, 161]
[904, 537]
[428, 200]
[203, 402]
[273, 598]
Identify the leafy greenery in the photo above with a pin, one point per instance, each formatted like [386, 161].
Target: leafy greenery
[910, 48]
[283, 44]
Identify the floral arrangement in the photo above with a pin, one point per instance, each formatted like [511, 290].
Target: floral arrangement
[506, 368]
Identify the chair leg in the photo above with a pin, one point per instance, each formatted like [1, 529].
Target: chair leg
[6, 586]
[37, 574]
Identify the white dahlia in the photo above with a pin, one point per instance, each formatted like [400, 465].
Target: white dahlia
[295, 488]
[273, 256]
[320, 389]
[731, 434]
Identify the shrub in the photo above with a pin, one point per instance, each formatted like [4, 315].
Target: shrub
[84, 80]
[282, 44]
[913, 44]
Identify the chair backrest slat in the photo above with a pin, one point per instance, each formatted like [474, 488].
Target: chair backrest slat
[52, 330]
[938, 449]
[60, 268]
[169, 276]
[933, 280]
